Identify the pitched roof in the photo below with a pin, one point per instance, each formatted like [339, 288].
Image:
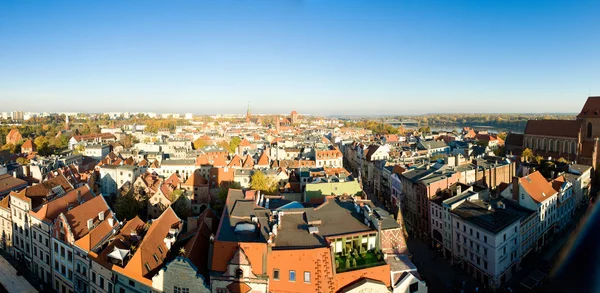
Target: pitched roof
[537, 186]
[248, 161]
[152, 244]
[173, 180]
[13, 136]
[77, 218]
[8, 182]
[52, 209]
[591, 108]
[562, 128]
[28, 144]
[5, 202]
[263, 160]
[235, 162]
[38, 193]
[196, 179]
[245, 143]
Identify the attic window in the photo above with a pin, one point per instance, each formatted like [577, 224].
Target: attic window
[155, 257]
[160, 249]
[147, 266]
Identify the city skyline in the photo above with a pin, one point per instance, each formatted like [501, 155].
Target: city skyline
[322, 58]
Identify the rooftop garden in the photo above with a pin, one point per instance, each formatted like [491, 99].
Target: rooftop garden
[356, 259]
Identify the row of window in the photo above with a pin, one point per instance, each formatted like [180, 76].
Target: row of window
[292, 276]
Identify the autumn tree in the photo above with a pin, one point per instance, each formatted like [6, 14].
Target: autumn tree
[260, 181]
[527, 154]
[200, 143]
[22, 161]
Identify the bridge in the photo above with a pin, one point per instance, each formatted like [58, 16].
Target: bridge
[405, 123]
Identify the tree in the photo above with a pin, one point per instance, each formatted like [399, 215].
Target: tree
[538, 159]
[502, 135]
[425, 129]
[200, 143]
[78, 149]
[22, 161]
[499, 151]
[562, 160]
[527, 154]
[180, 204]
[259, 181]
[234, 143]
[127, 207]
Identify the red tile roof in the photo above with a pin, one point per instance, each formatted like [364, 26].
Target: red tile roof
[263, 160]
[554, 128]
[591, 108]
[537, 186]
[245, 143]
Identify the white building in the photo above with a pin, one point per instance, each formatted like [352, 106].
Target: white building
[96, 151]
[114, 177]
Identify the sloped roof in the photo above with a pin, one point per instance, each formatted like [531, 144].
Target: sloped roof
[196, 179]
[235, 162]
[245, 143]
[149, 246]
[52, 209]
[248, 161]
[561, 128]
[263, 160]
[28, 144]
[537, 186]
[591, 108]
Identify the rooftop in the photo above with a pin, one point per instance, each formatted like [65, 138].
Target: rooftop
[492, 216]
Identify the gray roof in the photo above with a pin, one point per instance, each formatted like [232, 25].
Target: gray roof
[178, 162]
[492, 219]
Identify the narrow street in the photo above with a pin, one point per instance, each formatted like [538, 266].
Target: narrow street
[10, 281]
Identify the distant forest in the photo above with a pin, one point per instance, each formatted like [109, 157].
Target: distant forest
[513, 122]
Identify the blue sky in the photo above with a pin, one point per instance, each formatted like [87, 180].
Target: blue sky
[314, 56]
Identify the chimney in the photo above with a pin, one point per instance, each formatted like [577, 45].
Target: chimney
[101, 216]
[515, 189]
[90, 223]
[78, 196]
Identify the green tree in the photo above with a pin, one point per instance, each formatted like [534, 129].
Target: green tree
[127, 206]
[234, 143]
[527, 155]
[259, 181]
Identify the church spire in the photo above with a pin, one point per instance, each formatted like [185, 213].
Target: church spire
[248, 114]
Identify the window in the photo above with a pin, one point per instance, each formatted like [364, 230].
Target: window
[485, 264]
[292, 276]
[414, 287]
[62, 252]
[504, 250]
[485, 251]
[457, 236]
[504, 237]
[155, 257]
[101, 283]
[110, 289]
[471, 231]
[56, 265]
[276, 274]
[485, 239]
[478, 260]
[93, 277]
[70, 258]
[477, 235]
[306, 277]
[160, 249]
[515, 229]
[131, 283]
[239, 273]
[70, 276]
[180, 290]
[147, 266]
[55, 247]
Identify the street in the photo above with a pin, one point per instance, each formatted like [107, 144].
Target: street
[10, 280]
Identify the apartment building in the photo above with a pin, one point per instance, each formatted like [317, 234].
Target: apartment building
[74, 233]
[112, 178]
[299, 249]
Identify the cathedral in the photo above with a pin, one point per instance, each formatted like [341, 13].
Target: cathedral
[575, 140]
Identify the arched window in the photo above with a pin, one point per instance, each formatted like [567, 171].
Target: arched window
[556, 145]
[239, 273]
[589, 130]
[542, 144]
[564, 148]
[572, 147]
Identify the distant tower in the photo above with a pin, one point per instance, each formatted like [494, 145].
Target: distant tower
[294, 117]
[248, 114]
[67, 122]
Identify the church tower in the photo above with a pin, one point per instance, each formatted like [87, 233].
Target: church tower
[248, 114]
[67, 122]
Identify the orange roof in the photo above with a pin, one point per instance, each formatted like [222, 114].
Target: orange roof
[134, 225]
[537, 186]
[195, 180]
[263, 160]
[13, 136]
[238, 287]
[143, 263]
[173, 180]
[4, 203]
[235, 162]
[201, 160]
[52, 209]
[245, 143]
[248, 162]
[77, 218]
[28, 144]
[328, 154]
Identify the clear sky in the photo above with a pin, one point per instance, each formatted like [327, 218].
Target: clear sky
[313, 56]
